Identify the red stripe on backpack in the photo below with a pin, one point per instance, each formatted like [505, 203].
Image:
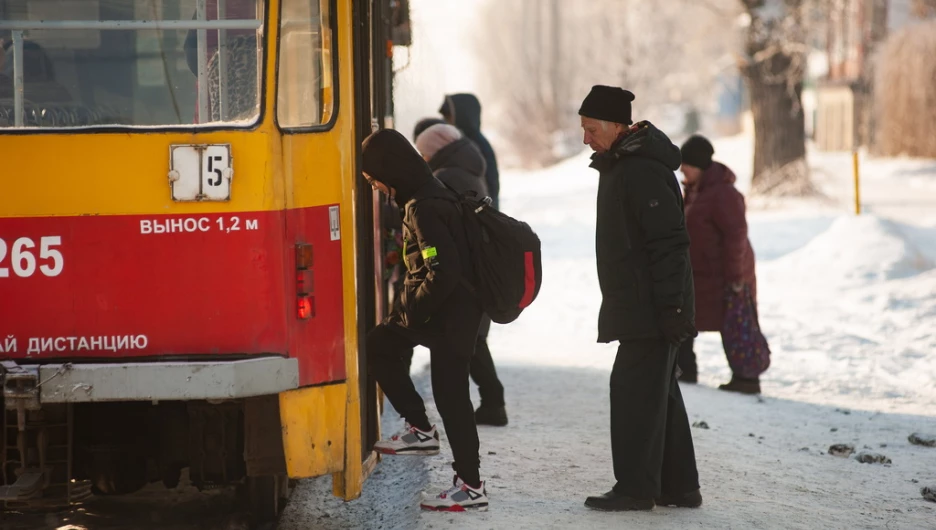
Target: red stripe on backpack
[529, 280]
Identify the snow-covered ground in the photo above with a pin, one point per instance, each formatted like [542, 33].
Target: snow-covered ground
[848, 304]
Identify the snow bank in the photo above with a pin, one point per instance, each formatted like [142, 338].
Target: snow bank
[857, 251]
[848, 314]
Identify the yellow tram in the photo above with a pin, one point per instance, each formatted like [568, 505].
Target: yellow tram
[189, 257]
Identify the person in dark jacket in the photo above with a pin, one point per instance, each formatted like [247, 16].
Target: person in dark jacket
[721, 253]
[456, 161]
[436, 311]
[464, 112]
[453, 158]
[392, 221]
[642, 250]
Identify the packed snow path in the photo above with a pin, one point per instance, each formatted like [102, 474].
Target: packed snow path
[762, 464]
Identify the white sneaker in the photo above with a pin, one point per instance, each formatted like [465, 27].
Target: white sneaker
[410, 441]
[459, 498]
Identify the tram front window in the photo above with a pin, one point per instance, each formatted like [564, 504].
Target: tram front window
[130, 63]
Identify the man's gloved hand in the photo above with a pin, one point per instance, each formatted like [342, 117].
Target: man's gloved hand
[676, 327]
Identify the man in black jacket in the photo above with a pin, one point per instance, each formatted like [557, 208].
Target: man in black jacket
[436, 310]
[642, 250]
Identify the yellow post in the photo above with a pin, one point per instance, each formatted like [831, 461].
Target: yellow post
[857, 187]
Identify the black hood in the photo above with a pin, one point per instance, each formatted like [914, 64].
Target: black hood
[462, 154]
[643, 140]
[466, 111]
[391, 159]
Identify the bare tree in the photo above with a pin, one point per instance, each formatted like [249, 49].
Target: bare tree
[540, 57]
[774, 66]
[905, 99]
[923, 8]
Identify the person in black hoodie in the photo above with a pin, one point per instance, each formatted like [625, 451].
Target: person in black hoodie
[391, 220]
[642, 251]
[436, 310]
[464, 112]
[456, 162]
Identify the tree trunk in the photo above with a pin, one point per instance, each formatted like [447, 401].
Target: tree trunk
[780, 166]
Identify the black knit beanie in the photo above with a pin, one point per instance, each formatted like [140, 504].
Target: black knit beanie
[697, 151]
[608, 103]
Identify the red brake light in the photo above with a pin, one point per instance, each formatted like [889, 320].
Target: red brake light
[306, 307]
[305, 301]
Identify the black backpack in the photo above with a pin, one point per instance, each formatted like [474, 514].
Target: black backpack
[505, 255]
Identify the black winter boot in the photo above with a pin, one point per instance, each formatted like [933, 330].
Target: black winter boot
[490, 415]
[615, 502]
[742, 385]
[693, 499]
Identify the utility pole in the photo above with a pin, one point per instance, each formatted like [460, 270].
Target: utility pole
[538, 47]
[558, 94]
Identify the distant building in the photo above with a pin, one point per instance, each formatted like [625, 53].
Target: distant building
[843, 112]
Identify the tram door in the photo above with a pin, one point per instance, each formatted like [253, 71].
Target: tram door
[373, 110]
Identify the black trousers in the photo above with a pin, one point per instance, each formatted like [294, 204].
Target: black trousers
[651, 444]
[482, 369]
[388, 355]
[686, 358]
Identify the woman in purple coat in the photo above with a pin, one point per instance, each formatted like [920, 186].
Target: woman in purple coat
[721, 254]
